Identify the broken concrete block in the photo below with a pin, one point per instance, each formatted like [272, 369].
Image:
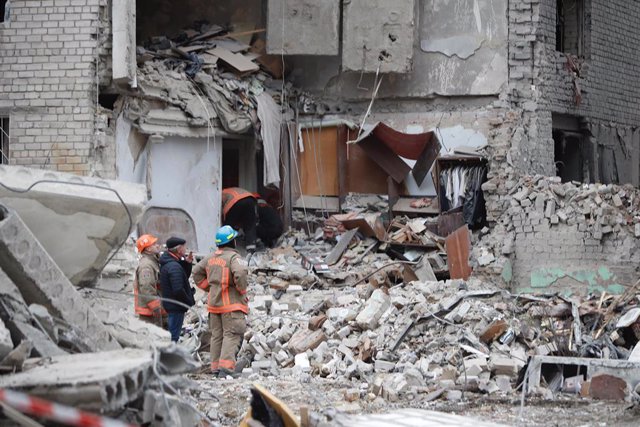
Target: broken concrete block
[459, 313]
[162, 409]
[475, 366]
[636, 230]
[454, 395]
[96, 381]
[302, 362]
[373, 310]
[505, 366]
[18, 319]
[14, 361]
[504, 383]
[617, 201]
[95, 215]
[40, 281]
[384, 366]
[608, 387]
[6, 345]
[341, 315]
[262, 364]
[305, 339]
[344, 331]
[486, 259]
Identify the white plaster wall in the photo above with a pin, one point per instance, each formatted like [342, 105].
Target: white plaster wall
[126, 168]
[185, 173]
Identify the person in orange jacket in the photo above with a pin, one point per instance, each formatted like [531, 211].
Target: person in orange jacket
[146, 290]
[224, 274]
[239, 210]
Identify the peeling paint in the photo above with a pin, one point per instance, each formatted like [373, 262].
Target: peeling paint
[461, 46]
[581, 281]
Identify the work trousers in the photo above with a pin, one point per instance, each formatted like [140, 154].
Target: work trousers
[175, 325]
[227, 332]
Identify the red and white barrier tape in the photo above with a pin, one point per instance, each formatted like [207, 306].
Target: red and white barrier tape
[55, 412]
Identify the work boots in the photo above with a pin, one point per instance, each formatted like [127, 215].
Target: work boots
[224, 373]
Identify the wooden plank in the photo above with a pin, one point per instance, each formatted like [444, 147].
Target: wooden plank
[450, 221]
[235, 60]
[343, 136]
[337, 251]
[233, 46]
[319, 162]
[426, 159]
[458, 246]
[363, 175]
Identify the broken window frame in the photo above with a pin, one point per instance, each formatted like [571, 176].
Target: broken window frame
[5, 140]
[561, 18]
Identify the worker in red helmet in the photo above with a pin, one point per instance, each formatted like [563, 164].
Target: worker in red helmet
[146, 288]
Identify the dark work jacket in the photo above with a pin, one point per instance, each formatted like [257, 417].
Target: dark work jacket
[174, 283]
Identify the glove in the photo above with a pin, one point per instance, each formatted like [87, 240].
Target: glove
[193, 291]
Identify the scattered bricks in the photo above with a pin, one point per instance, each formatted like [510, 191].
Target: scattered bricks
[562, 216]
[521, 195]
[454, 395]
[608, 387]
[636, 230]
[304, 340]
[493, 331]
[486, 259]
[375, 307]
[316, 322]
[295, 289]
[341, 315]
[279, 308]
[278, 284]
[384, 366]
[551, 209]
[617, 201]
[261, 302]
[554, 219]
[40, 281]
[559, 190]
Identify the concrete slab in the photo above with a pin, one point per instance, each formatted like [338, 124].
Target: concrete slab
[412, 417]
[77, 224]
[382, 38]
[628, 370]
[303, 27]
[40, 281]
[96, 381]
[19, 320]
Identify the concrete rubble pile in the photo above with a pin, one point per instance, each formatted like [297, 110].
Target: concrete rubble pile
[207, 77]
[533, 204]
[57, 342]
[399, 340]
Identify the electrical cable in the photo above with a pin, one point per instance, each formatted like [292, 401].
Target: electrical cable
[83, 184]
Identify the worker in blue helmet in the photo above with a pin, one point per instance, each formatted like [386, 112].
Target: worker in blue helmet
[224, 274]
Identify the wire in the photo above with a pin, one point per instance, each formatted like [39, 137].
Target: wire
[83, 184]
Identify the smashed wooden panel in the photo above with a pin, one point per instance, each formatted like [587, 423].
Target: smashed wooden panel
[458, 246]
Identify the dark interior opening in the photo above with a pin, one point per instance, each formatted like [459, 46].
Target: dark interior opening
[568, 155]
[570, 26]
[554, 375]
[107, 100]
[3, 8]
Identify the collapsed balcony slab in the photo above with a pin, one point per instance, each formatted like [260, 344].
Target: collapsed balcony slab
[78, 220]
[40, 281]
[95, 381]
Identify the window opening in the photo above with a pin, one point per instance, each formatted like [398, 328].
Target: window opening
[4, 140]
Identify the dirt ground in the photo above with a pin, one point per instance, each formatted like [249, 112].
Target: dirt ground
[227, 401]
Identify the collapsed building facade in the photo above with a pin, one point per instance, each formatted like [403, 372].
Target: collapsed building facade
[543, 86]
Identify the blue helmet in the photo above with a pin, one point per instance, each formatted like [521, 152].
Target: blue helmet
[225, 234]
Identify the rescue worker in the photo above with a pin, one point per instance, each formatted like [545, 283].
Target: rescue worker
[270, 226]
[175, 269]
[224, 274]
[146, 288]
[239, 211]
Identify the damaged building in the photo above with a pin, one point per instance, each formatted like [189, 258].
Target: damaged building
[458, 180]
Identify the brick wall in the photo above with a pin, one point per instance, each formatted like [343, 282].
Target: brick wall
[611, 66]
[48, 81]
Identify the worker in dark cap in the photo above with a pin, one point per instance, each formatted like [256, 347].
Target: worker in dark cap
[270, 226]
[239, 211]
[175, 269]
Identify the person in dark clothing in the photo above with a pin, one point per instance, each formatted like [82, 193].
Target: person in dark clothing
[239, 210]
[175, 269]
[270, 226]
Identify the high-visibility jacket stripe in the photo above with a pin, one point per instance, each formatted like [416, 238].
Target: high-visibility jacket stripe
[231, 196]
[228, 309]
[227, 364]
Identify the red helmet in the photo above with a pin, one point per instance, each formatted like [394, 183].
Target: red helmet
[145, 241]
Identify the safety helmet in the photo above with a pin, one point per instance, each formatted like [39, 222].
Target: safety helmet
[225, 234]
[145, 241]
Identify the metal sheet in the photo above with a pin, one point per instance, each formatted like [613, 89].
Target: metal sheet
[458, 246]
[385, 158]
[427, 158]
